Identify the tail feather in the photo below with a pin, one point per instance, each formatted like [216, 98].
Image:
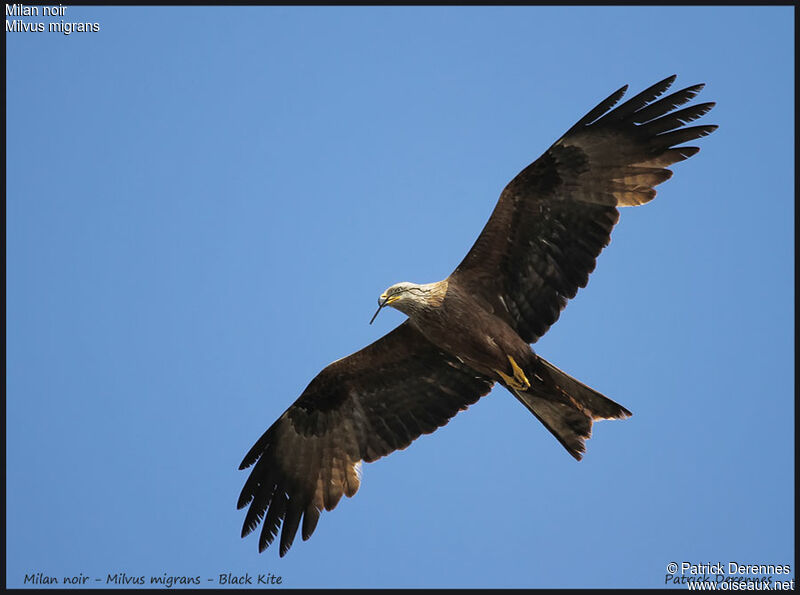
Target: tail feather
[582, 396]
[567, 407]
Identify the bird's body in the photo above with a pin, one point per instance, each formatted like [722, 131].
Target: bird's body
[467, 329]
[474, 328]
[457, 323]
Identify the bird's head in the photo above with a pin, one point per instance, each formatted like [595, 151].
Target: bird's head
[403, 296]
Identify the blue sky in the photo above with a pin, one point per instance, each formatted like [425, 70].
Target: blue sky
[204, 203]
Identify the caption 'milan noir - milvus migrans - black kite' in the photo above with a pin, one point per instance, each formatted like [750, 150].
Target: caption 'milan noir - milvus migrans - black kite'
[474, 328]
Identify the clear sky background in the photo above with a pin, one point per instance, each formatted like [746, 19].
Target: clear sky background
[203, 205]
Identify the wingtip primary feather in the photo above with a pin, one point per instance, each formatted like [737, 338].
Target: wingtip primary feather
[664, 105]
[600, 109]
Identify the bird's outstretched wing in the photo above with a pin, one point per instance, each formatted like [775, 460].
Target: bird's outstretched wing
[359, 408]
[554, 218]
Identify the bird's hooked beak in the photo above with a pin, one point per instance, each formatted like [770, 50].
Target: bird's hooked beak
[382, 301]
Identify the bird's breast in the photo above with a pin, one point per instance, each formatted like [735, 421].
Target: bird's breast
[466, 331]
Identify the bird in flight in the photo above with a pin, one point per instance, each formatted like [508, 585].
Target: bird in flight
[474, 328]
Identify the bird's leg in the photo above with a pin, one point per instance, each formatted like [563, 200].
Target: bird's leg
[518, 381]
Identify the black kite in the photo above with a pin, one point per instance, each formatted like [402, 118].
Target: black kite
[474, 328]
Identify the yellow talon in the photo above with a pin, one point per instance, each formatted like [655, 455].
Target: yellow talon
[519, 381]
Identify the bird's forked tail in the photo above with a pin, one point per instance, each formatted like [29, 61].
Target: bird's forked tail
[566, 406]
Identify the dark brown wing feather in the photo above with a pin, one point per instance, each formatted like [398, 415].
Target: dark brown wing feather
[555, 217]
[359, 408]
